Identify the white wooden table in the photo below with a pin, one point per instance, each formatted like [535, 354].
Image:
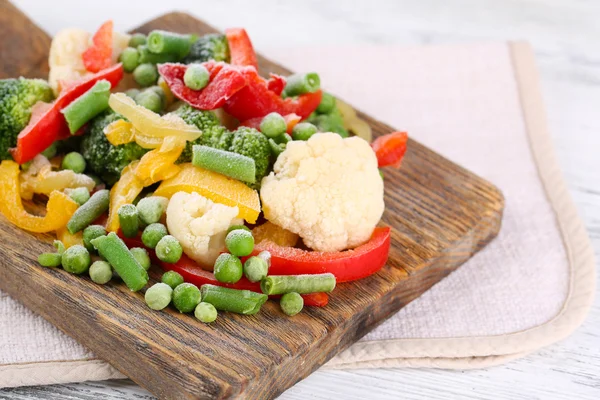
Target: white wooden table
[566, 37]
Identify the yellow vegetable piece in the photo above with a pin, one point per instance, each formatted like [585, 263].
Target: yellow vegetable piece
[156, 164]
[69, 239]
[274, 233]
[119, 132]
[150, 123]
[148, 142]
[353, 122]
[215, 187]
[123, 192]
[169, 98]
[60, 207]
[40, 178]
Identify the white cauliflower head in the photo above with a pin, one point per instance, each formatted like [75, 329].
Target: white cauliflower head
[327, 190]
[200, 225]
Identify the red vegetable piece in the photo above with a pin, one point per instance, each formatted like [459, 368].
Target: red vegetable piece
[276, 84]
[256, 100]
[49, 124]
[315, 299]
[390, 149]
[348, 265]
[224, 82]
[99, 55]
[240, 48]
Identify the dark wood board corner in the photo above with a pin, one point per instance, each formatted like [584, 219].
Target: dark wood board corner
[441, 214]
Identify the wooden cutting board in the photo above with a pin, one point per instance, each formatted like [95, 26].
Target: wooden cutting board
[440, 213]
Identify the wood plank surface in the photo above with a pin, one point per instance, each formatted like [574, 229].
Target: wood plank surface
[440, 213]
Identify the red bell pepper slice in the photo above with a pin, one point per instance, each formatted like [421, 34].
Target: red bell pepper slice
[225, 81]
[99, 55]
[50, 125]
[276, 84]
[240, 48]
[256, 100]
[291, 120]
[390, 149]
[348, 265]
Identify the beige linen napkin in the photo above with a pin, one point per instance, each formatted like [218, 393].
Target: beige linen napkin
[479, 105]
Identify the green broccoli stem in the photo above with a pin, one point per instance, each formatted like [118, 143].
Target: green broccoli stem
[87, 106]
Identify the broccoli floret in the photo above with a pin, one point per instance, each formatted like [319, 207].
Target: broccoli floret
[245, 141]
[208, 47]
[103, 158]
[17, 96]
[331, 122]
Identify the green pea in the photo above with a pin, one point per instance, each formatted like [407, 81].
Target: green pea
[151, 209]
[172, 279]
[141, 256]
[168, 249]
[152, 234]
[255, 269]
[51, 260]
[228, 268]
[186, 297]
[235, 227]
[327, 104]
[130, 58]
[90, 233]
[74, 161]
[80, 195]
[291, 303]
[145, 74]
[100, 272]
[205, 312]
[137, 39]
[76, 259]
[196, 76]
[303, 131]
[151, 100]
[158, 296]
[132, 93]
[50, 151]
[239, 242]
[273, 125]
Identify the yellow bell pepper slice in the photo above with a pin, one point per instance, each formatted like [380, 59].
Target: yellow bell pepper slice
[150, 123]
[274, 233]
[123, 192]
[214, 186]
[148, 142]
[60, 207]
[157, 164]
[69, 239]
[119, 132]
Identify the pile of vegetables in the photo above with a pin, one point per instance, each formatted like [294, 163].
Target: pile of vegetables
[239, 187]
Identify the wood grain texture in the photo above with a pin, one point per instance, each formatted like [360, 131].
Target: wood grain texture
[441, 215]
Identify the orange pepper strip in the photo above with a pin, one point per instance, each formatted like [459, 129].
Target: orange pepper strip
[60, 207]
[123, 192]
[69, 239]
[157, 164]
[215, 187]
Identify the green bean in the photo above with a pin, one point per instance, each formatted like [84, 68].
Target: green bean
[172, 279]
[146, 56]
[74, 161]
[303, 284]
[255, 269]
[205, 312]
[158, 296]
[151, 209]
[239, 242]
[128, 219]
[79, 195]
[227, 163]
[51, 260]
[291, 303]
[90, 211]
[87, 106]
[186, 297]
[130, 58]
[152, 234]
[114, 250]
[273, 125]
[137, 39]
[90, 233]
[298, 84]
[163, 42]
[327, 104]
[228, 268]
[196, 76]
[141, 256]
[76, 259]
[100, 272]
[233, 300]
[145, 74]
[168, 249]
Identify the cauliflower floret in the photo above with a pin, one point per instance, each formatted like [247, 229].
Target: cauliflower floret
[327, 190]
[65, 56]
[200, 225]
